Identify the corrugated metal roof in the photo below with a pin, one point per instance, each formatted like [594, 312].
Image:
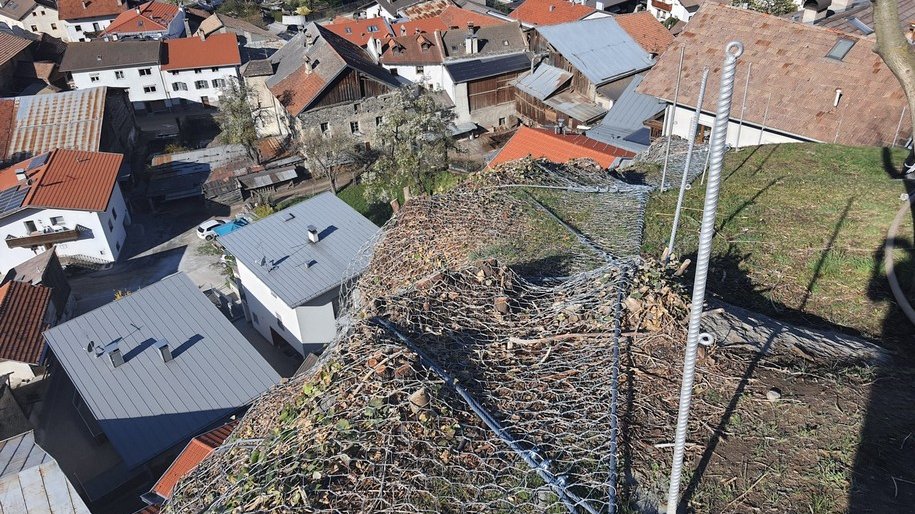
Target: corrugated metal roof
[294, 269]
[545, 81]
[624, 125]
[598, 48]
[267, 178]
[31, 480]
[146, 406]
[475, 69]
[71, 119]
[576, 106]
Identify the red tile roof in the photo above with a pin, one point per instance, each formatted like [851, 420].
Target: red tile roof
[359, 32]
[149, 17]
[298, 90]
[418, 49]
[558, 148]
[11, 46]
[192, 52]
[81, 9]
[550, 12]
[646, 30]
[192, 455]
[22, 314]
[68, 179]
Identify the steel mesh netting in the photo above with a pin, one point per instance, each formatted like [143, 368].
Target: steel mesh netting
[456, 385]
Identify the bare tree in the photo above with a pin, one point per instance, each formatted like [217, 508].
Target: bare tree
[328, 154]
[896, 51]
[236, 118]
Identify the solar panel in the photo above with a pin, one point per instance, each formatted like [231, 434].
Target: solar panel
[39, 161]
[11, 198]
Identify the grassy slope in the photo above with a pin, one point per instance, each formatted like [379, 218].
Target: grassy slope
[800, 229]
[380, 212]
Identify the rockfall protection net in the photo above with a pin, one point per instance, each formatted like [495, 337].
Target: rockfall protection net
[457, 384]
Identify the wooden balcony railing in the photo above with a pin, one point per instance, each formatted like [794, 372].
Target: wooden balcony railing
[43, 238]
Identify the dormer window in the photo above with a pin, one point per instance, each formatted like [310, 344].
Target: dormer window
[373, 28]
[348, 30]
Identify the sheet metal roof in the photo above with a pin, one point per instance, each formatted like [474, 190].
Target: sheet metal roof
[576, 106]
[624, 125]
[102, 55]
[281, 241]
[146, 406]
[545, 81]
[598, 48]
[31, 480]
[71, 119]
[475, 69]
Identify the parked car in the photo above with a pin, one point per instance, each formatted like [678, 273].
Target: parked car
[205, 229]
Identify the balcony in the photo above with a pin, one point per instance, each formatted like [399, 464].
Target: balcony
[46, 237]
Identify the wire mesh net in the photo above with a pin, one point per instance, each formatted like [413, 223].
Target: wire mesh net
[467, 377]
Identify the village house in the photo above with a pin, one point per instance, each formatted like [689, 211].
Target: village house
[320, 81]
[86, 19]
[831, 89]
[35, 16]
[558, 148]
[851, 16]
[682, 10]
[64, 199]
[360, 30]
[291, 266]
[249, 36]
[178, 367]
[150, 20]
[157, 75]
[34, 295]
[32, 481]
[92, 120]
[399, 9]
[15, 52]
[587, 66]
[633, 121]
[538, 13]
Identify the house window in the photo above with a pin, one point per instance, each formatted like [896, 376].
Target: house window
[501, 122]
[119, 74]
[110, 226]
[42, 12]
[840, 49]
[354, 127]
[34, 28]
[324, 128]
[93, 77]
[373, 28]
[279, 322]
[419, 70]
[349, 30]
[34, 13]
[200, 84]
[219, 83]
[30, 227]
[198, 70]
[149, 89]
[114, 213]
[78, 28]
[57, 220]
[53, 26]
[379, 120]
[214, 69]
[173, 72]
[179, 86]
[394, 71]
[145, 72]
[355, 108]
[96, 27]
[117, 246]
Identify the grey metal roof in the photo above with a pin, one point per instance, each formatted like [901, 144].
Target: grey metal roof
[294, 269]
[504, 38]
[31, 480]
[623, 126]
[576, 106]
[267, 178]
[545, 81]
[103, 55]
[599, 48]
[146, 406]
[475, 69]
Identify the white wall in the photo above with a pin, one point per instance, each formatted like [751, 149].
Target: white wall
[41, 19]
[375, 11]
[432, 75]
[270, 117]
[305, 325]
[163, 82]
[76, 30]
[677, 11]
[175, 29]
[101, 240]
[749, 135]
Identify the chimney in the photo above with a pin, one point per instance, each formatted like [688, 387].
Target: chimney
[21, 175]
[835, 102]
[471, 28]
[85, 4]
[403, 30]
[164, 351]
[812, 12]
[138, 8]
[115, 357]
[309, 39]
[471, 44]
[552, 8]
[838, 6]
[313, 234]
[203, 37]
[309, 65]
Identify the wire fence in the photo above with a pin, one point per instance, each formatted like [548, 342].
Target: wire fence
[477, 369]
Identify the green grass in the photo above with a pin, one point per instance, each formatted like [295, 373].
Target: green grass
[380, 212]
[800, 233]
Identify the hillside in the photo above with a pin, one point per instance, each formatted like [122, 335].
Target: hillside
[800, 234]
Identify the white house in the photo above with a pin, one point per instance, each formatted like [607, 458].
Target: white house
[151, 20]
[157, 75]
[291, 266]
[679, 9]
[64, 199]
[36, 16]
[86, 19]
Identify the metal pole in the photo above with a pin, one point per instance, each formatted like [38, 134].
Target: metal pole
[689, 158]
[670, 126]
[708, 154]
[743, 105]
[733, 50]
[899, 126]
[765, 119]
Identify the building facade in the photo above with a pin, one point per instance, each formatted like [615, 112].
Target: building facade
[37, 17]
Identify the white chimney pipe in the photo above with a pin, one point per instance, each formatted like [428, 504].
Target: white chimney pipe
[313, 234]
[835, 102]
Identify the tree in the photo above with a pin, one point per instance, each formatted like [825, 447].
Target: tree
[896, 51]
[413, 141]
[773, 7]
[236, 118]
[328, 154]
